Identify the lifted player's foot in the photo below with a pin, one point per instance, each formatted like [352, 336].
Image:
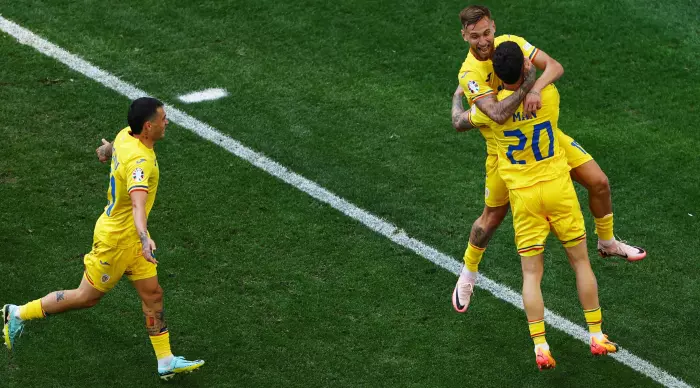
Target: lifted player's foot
[621, 249]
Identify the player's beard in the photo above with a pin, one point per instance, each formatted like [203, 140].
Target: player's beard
[485, 53]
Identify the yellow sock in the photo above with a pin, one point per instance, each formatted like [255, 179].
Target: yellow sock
[31, 310]
[161, 344]
[604, 227]
[472, 257]
[537, 331]
[594, 319]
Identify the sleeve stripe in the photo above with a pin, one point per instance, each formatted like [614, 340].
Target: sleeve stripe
[138, 187]
[534, 53]
[483, 95]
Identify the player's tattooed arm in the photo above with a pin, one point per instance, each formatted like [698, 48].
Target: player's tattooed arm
[460, 117]
[500, 111]
[104, 152]
[138, 209]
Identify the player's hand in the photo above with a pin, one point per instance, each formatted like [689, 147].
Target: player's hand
[104, 151]
[459, 91]
[149, 251]
[532, 102]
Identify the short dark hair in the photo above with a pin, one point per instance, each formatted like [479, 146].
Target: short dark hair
[472, 15]
[508, 62]
[141, 110]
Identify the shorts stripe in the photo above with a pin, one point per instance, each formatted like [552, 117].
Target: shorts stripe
[531, 248]
[581, 237]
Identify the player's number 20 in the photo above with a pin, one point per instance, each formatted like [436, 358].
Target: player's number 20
[522, 142]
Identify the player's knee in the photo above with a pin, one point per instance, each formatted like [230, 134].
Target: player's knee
[87, 300]
[153, 296]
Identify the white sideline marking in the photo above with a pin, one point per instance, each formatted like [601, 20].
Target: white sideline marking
[203, 95]
[373, 222]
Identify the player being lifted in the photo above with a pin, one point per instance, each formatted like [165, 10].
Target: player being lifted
[533, 165]
[479, 84]
[121, 242]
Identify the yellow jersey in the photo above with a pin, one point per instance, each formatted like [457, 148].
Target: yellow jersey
[478, 79]
[528, 146]
[134, 167]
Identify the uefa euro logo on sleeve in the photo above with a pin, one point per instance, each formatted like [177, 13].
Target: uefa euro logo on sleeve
[137, 175]
[473, 86]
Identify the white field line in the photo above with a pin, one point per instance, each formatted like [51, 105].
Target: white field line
[368, 219]
[203, 95]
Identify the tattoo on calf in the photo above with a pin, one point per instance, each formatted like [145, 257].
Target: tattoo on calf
[480, 237]
[60, 295]
[155, 323]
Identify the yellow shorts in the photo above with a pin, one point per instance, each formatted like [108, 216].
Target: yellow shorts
[575, 154]
[105, 265]
[496, 192]
[547, 204]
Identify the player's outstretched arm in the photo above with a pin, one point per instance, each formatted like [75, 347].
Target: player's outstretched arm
[460, 118]
[500, 111]
[552, 70]
[138, 208]
[104, 152]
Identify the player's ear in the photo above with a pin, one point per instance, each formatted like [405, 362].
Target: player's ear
[464, 34]
[493, 26]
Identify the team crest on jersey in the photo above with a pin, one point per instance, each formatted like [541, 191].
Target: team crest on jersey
[138, 175]
[105, 278]
[473, 86]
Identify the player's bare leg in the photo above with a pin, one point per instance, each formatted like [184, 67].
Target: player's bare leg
[587, 287]
[479, 237]
[151, 295]
[592, 177]
[533, 269]
[14, 317]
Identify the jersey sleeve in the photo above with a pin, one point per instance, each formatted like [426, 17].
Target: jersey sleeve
[138, 171]
[528, 49]
[477, 118]
[474, 85]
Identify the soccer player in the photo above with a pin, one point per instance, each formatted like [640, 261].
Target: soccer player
[534, 167]
[479, 84]
[121, 242]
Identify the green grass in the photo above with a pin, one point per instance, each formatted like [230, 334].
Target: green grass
[273, 288]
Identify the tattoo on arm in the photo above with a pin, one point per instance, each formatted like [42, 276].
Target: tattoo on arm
[500, 111]
[460, 119]
[60, 295]
[143, 236]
